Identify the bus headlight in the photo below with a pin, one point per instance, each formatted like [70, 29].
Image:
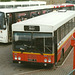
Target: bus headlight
[15, 58]
[19, 58]
[49, 60]
[45, 60]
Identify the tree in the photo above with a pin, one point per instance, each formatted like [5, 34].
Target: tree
[22, 0]
[12, 0]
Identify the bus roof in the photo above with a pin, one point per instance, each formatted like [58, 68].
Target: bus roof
[68, 4]
[47, 22]
[20, 9]
[32, 8]
[22, 2]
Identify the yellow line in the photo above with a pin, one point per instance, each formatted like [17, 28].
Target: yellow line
[64, 42]
[31, 53]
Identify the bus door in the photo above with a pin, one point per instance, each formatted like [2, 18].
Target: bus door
[9, 24]
[55, 46]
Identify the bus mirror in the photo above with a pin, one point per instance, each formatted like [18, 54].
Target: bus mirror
[4, 26]
[8, 14]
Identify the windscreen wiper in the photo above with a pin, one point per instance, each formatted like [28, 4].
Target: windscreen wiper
[22, 49]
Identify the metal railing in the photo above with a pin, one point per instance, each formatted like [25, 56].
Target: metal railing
[72, 72]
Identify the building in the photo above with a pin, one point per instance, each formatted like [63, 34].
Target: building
[52, 1]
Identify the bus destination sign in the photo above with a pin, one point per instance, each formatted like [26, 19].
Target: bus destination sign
[31, 28]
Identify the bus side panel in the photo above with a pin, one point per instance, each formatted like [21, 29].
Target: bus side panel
[59, 54]
[66, 45]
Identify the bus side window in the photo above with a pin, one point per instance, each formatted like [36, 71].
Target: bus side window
[62, 31]
[59, 35]
[21, 16]
[74, 21]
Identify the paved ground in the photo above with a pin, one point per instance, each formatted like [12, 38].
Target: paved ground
[64, 69]
[7, 67]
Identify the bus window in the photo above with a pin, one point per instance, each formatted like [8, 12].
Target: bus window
[44, 11]
[17, 6]
[59, 34]
[30, 42]
[22, 41]
[69, 8]
[42, 4]
[25, 5]
[42, 42]
[74, 22]
[34, 5]
[33, 14]
[2, 6]
[9, 6]
[21, 16]
[2, 20]
[48, 45]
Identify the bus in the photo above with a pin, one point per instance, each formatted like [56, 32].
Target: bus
[10, 16]
[65, 6]
[15, 4]
[43, 39]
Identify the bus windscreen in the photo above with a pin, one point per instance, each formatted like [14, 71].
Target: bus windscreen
[33, 42]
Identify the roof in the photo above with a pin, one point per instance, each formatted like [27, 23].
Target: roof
[51, 20]
[22, 2]
[20, 9]
[68, 4]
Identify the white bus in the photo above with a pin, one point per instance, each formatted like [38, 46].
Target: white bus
[15, 4]
[10, 16]
[43, 39]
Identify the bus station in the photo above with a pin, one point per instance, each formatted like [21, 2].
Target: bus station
[37, 38]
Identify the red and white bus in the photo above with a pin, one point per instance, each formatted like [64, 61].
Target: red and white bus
[43, 39]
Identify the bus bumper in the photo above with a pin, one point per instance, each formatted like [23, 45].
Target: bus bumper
[32, 63]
